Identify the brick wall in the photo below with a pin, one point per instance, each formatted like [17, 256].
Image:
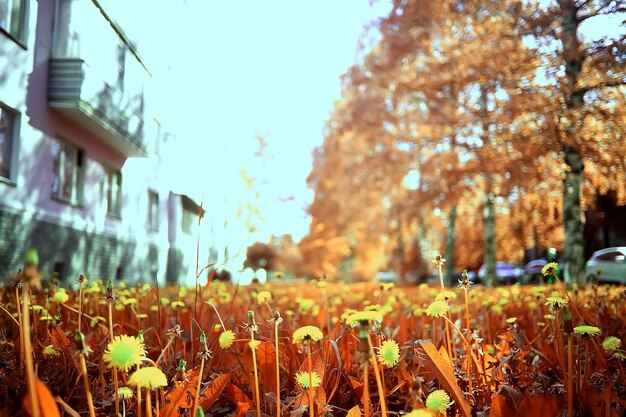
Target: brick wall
[72, 251]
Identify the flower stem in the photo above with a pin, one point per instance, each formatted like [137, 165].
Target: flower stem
[148, 403]
[80, 304]
[277, 368]
[257, 400]
[464, 339]
[83, 368]
[443, 293]
[366, 394]
[28, 356]
[469, 346]
[197, 395]
[310, 390]
[379, 384]
[570, 379]
[218, 315]
[138, 398]
[19, 317]
[115, 382]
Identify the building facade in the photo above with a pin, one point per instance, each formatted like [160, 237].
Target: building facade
[82, 150]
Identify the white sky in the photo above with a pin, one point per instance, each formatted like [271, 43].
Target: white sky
[244, 68]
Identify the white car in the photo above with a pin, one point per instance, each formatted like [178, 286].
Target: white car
[607, 265]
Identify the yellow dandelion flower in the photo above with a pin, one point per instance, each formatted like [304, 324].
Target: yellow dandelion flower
[438, 401]
[587, 330]
[551, 268]
[497, 309]
[306, 304]
[125, 393]
[263, 297]
[437, 309]
[445, 296]
[347, 313]
[556, 302]
[226, 339]
[149, 377]
[364, 317]
[129, 301]
[611, 343]
[60, 296]
[306, 334]
[389, 353]
[302, 378]
[124, 352]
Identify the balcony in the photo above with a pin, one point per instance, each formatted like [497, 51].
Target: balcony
[96, 78]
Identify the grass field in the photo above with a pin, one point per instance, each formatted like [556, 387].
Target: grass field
[366, 349]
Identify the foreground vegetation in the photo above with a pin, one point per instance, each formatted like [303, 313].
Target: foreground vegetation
[274, 349]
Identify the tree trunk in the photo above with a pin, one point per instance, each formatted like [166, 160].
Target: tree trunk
[490, 239]
[573, 56]
[573, 253]
[489, 213]
[450, 245]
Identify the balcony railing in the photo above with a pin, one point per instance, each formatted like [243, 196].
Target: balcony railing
[96, 78]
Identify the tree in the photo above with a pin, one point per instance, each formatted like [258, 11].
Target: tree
[589, 90]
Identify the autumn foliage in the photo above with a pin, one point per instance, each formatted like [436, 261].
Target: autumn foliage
[476, 128]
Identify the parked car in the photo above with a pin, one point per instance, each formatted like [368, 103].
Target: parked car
[531, 272]
[505, 272]
[387, 276]
[607, 265]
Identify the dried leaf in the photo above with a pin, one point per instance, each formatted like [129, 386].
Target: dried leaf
[265, 354]
[354, 412]
[437, 365]
[545, 405]
[210, 395]
[236, 394]
[178, 398]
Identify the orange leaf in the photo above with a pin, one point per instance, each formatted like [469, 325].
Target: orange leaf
[178, 398]
[59, 339]
[241, 409]
[214, 390]
[444, 354]
[265, 354]
[47, 405]
[236, 394]
[438, 365]
[545, 405]
[354, 412]
[499, 407]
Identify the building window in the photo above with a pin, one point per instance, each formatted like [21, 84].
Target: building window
[68, 172]
[8, 140]
[12, 17]
[190, 213]
[153, 210]
[189, 217]
[112, 192]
